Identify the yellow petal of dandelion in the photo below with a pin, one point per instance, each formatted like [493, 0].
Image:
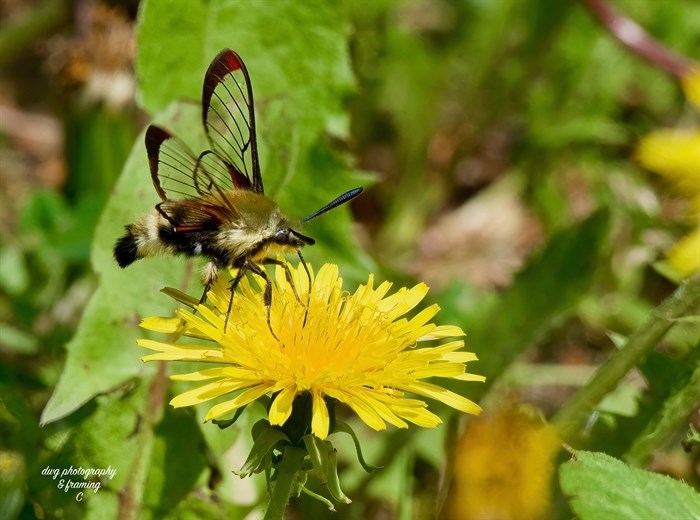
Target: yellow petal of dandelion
[460, 357]
[441, 394]
[418, 322]
[244, 398]
[162, 325]
[442, 332]
[374, 401]
[358, 349]
[200, 322]
[403, 301]
[281, 407]
[451, 370]
[205, 393]
[233, 373]
[320, 420]
[177, 352]
[368, 414]
[420, 417]
[200, 375]
[470, 377]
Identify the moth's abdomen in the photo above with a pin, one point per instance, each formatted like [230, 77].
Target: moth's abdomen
[126, 250]
[143, 238]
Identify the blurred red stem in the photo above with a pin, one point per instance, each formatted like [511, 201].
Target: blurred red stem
[632, 36]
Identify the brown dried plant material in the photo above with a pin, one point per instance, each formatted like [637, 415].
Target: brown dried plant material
[485, 241]
[100, 59]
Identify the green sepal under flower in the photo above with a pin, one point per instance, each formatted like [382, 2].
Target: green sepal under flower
[343, 427]
[266, 439]
[270, 444]
[325, 466]
[320, 460]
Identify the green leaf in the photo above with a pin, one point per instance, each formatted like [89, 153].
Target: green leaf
[201, 506]
[108, 435]
[177, 462]
[601, 488]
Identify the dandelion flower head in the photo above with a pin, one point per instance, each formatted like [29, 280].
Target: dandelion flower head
[360, 349]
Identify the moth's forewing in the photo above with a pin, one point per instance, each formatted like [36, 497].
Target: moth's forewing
[228, 115]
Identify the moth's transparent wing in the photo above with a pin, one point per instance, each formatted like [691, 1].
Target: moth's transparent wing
[177, 173]
[228, 115]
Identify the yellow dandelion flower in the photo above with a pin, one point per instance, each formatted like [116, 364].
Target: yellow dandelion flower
[503, 467]
[675, 156]
[359, 349]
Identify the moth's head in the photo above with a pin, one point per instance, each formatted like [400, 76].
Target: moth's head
[288, 236]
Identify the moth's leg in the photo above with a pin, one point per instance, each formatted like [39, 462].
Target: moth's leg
[287, 274]
[267, 295]
[308, 275]
[234, 284]
[209, 273]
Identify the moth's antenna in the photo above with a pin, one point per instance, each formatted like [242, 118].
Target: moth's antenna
[345, 197]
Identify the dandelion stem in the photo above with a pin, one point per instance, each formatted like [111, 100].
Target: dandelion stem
[685, 300]
[292, 459]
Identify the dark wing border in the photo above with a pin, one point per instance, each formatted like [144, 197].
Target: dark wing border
[222, 88]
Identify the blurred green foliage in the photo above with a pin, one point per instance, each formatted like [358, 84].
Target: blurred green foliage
[437, 103]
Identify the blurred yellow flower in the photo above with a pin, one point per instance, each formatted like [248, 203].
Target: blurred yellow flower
[358, 349]
[683, 256]
[691, 85]
[675, 155]
[503, 468]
